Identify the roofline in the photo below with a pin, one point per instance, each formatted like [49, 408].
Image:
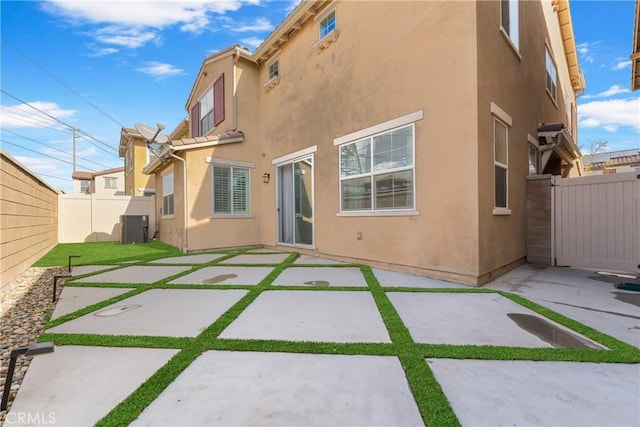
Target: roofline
[570, 50]
[293, 22]
[235, 49]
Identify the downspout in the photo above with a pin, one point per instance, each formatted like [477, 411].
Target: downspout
[236, 58]
[185, 245]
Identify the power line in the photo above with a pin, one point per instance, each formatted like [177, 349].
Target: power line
[32, 120]
[43, 154]
[64, 123]
[66, 86]
[56, 149]
[52, 176]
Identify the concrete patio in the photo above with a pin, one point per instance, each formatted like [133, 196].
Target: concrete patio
[326, 344]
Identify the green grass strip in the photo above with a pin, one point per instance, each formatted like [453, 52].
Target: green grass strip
[366, 349]
[130, 408]
[117, 340]
[432, 403]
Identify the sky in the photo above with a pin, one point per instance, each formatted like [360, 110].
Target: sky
[96, 66]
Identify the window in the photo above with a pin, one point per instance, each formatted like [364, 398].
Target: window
[110, 182]
[328, 24]
[377, 172]
[551, 76]
[231, 190]
[208, 112]
[509, 20]
[129, 159]
[500, 142]
[84, 186]
[167, 194]
[273, 69]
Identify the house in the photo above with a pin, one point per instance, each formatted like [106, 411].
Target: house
[407, 148]
[106, 182]
[612, 162]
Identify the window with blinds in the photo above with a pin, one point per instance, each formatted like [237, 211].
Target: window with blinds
[231, 190]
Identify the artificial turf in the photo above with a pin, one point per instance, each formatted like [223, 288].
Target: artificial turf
[430, 399]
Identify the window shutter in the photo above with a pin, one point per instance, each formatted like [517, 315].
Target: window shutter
[218, 100]
[195, 120]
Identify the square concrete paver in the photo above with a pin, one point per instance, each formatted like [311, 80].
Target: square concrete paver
[257, 259]
[188, 259]
[393, 278]
[307, 259]
[506, 393]
[86, 269]
[77, 386]
[225, 275]
[74, 298]
[157, 312]
[343, 316]
[477, 319]
[240, 389]
[135, 274]
[321, 276]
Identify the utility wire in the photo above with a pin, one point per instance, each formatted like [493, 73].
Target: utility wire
[66, 86]
[52, 176]
[43, 154]
[64, 123]
[56, 149]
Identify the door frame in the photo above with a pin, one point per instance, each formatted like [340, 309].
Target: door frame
[292, 158]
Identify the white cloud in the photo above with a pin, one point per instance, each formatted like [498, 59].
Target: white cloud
[621, 65]
[125, 37]
[610, 114]
[251, 42]
[260, 25]
[613, 90]
[104, 51]
[24, 116]
[160, 70]
[584, 49]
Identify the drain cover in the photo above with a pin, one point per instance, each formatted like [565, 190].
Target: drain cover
[317, 283]
[116, 310]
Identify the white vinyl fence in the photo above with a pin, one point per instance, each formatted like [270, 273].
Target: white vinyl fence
[597, 221]
[91, 218]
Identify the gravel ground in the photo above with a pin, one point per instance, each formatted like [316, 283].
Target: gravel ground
[24, 305]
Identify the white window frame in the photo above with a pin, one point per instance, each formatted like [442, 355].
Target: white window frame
[86, 184]
[231, 164]
[166, 215]
[512, 33]
[130, 157]
[325, 15]
[373, 173]
[210, 95]
[551, 68]
[112, 179]
[499, 115]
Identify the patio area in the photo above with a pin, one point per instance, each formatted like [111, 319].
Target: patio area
[263, 337]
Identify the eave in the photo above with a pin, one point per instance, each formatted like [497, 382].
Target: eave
[569, 44]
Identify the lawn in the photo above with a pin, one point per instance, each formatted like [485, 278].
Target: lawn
[105, 253]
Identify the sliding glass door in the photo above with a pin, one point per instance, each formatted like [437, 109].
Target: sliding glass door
[295, 202]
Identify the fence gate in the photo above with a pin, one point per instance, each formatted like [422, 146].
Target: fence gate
[597, 221]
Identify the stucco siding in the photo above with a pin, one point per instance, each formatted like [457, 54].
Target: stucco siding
[29, 218]
[368, 77]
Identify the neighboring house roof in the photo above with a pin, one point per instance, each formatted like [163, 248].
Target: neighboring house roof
[613, 158]
[90, 176]
[635, 53]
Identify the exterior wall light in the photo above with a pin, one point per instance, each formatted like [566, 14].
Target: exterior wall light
[266, 177]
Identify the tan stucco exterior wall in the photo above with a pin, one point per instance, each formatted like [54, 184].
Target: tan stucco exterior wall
[516, 82]
[449, 61]
[366, 78]
[28, 218]
[134, 178]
